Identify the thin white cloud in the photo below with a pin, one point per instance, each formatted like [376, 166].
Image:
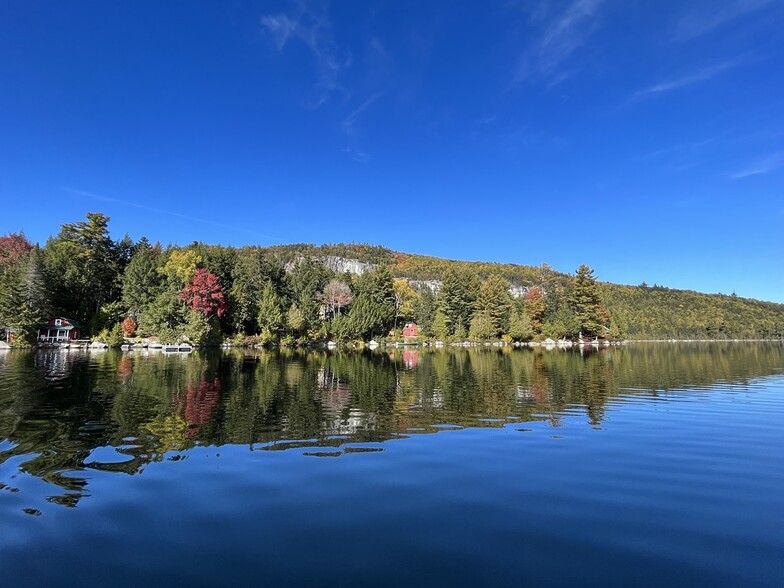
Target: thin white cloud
[75, 192]
[349, 122]
[761, 166]
[349, 128]
[701, 75]
[315, 32]
[696, 23]
[281, 27]
[561, 37]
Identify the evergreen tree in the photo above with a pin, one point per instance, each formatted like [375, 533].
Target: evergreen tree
[495, 302]
[482, 326]
[440, 327]
[586, 301]
[425, 310]
[164, 317]
[141, 281]
[561, 323]
[81, 267]
[270, 313]
[295, 319]
[457, 298]
[23, 297]
[250, 274]
[373, 310]
[307, 279]
[520, 328]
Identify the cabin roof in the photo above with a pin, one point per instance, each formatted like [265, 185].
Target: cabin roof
[72, 324]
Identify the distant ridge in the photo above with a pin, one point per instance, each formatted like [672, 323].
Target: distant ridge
[644, 312]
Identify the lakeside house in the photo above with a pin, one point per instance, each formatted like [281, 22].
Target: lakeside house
[7, 333]
[59, 329]
[411, 330]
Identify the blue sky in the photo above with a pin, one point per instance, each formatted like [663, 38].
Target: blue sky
[645, 139]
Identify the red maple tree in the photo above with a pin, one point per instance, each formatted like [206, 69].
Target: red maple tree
[13, 247]
[129, 327]
[204, 294]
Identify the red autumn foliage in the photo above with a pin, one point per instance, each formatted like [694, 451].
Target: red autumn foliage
[124, 368]
[535, 307]
[129, 327]
[13, 247]
[204, 294]
[199, 402]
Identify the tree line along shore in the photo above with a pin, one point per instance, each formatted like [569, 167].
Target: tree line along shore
[120, 290]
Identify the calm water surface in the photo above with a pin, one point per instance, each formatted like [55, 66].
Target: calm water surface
[651, 465]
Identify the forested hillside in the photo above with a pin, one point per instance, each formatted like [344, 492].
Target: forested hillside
[293, 294]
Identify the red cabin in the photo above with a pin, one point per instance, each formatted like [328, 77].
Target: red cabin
[411, 330]
[59, 329]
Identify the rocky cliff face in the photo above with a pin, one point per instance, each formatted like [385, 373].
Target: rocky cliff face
[342, 265]
[433, 285]
[338, 265]
[518, 291]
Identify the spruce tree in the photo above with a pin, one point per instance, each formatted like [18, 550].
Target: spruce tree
[586, 302]
[495, 302]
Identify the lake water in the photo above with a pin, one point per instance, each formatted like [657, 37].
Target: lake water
[646, 465]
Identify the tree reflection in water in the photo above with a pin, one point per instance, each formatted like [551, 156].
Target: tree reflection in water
[65, 413]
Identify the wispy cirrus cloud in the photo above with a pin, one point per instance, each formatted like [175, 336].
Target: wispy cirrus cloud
[695, 77]
[761, 166]
[700, 21]
[102, 198]
[314, 30]
[350, 129]
[562, 34]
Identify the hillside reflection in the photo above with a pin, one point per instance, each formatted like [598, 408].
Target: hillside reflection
[63, 414]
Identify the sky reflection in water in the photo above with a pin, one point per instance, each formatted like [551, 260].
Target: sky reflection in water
[547, 466]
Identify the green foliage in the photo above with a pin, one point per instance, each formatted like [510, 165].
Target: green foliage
[340, 329]
[113, 336]
[520, 327]
[482, 327]
[201, 329]
[563, 323]
[425, 307]
[457, 298]
[108, 315]
[495, 303]
[440, 327]
[81, 273]
[295, 319]
[252, 272]
[141, 280]
[164, 317]
[586, 301]
[642, 312]
[270, 315]
[81, 267]
[307, 278]
[373, 310]
[23, 297]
